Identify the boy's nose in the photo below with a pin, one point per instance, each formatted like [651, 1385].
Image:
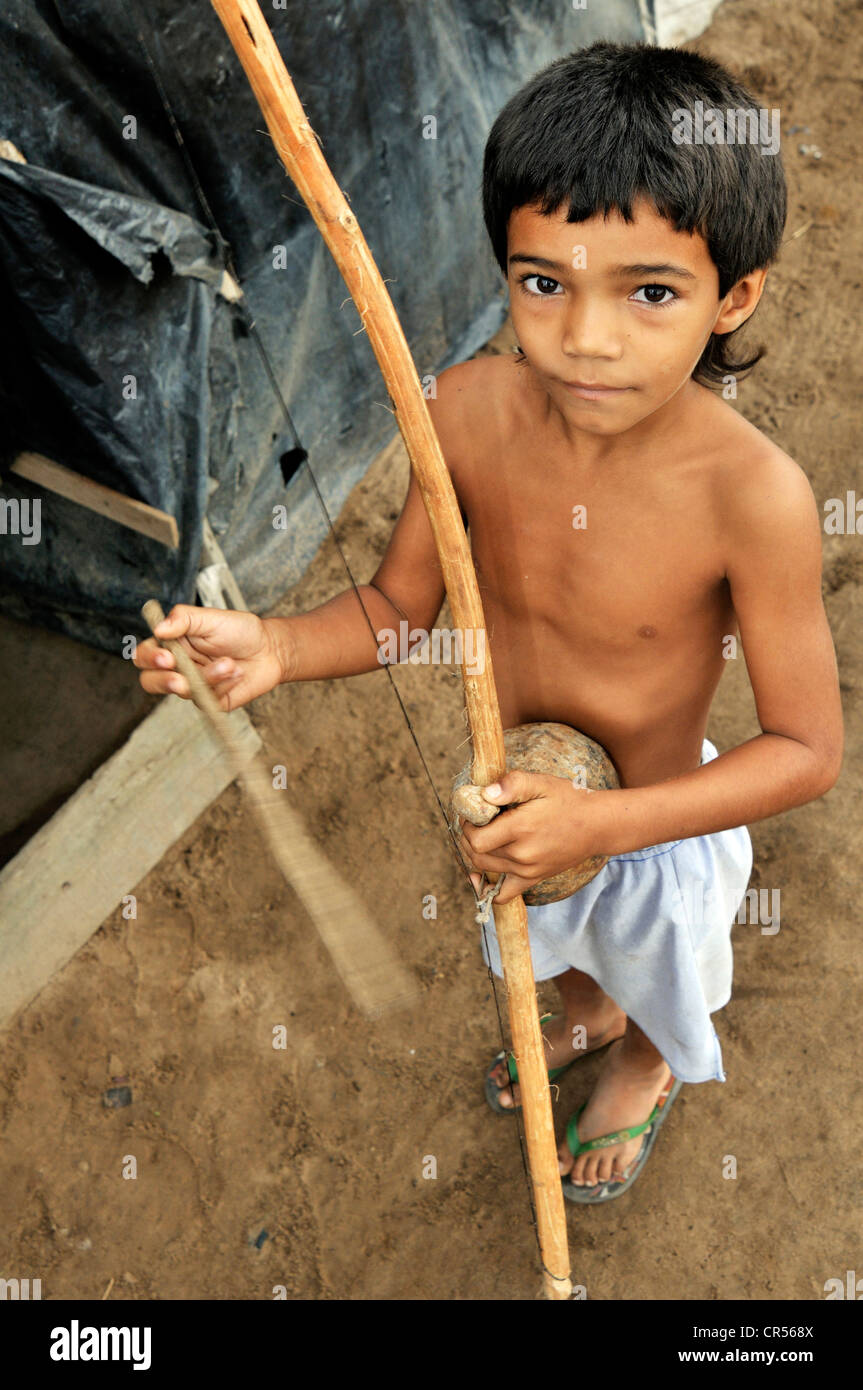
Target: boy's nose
[587, 334]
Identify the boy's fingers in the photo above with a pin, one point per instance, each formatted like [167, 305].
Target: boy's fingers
[496, 864]
[149, 655]
[157, 682]
[513, 787]
[184, 624]
[510, 888]
[190, 626]
[164, 683]
[184, 620]
[513, 885]
[505, 830]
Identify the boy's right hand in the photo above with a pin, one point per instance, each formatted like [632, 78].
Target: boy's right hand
[237, 653]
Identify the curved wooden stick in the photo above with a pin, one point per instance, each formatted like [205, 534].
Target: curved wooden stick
[298, 147]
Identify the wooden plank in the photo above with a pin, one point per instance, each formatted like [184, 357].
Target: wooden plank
[216, 585]
[229, 288]
[74, 871]
[116, 506]
[11, 152]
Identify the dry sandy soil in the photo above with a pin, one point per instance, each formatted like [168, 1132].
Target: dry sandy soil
[321, 1145]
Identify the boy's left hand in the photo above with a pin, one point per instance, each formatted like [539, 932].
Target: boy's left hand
[551, 825]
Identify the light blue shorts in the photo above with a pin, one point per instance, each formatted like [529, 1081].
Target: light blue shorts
[653, 928]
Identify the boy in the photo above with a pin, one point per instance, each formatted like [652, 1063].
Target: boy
[625, 522]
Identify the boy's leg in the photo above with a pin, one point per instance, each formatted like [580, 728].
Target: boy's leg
[589, 1021]
[632, 1079]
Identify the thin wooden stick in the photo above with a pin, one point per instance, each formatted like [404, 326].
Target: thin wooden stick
[298, 147]
[375, 978]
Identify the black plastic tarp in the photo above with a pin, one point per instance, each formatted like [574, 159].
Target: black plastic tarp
[119, 356]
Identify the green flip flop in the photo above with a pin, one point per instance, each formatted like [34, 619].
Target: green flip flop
[609, 1188]
[493, 1091]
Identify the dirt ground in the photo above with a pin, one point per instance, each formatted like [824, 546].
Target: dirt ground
[321, 1145]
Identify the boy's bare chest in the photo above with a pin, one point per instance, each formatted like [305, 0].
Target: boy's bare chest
[611, 562]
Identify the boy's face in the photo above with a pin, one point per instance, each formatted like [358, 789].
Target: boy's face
[613, 304]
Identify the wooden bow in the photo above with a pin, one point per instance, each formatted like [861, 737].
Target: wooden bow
[299, 149]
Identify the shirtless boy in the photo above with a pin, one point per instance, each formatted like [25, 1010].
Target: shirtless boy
[629, 259]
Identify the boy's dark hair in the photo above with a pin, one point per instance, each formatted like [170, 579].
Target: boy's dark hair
[594, 129]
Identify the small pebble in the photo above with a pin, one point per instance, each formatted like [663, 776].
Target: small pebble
[117, 1097]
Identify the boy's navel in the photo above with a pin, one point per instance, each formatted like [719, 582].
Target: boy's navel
[646, 631]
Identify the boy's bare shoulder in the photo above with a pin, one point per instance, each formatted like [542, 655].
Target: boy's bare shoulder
[467, 384]
[757, 483]
[468, 404]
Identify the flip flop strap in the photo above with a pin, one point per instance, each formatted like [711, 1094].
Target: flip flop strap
[620, 1136]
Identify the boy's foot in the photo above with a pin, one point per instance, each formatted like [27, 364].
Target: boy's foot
[625, 1095]
[602, 1027]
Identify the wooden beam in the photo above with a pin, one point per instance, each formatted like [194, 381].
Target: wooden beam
[216, 585]
[103, 841]
[116, 506]
[11, 152]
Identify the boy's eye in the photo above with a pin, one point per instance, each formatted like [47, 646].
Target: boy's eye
[654, 295]
[542, 280]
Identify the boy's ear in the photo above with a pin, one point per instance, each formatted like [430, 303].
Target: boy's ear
[740, 301]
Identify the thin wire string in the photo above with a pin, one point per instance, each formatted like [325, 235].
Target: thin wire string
[271, 375]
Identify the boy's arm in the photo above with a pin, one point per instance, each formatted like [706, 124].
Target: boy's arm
[774, 573]
[334, 639]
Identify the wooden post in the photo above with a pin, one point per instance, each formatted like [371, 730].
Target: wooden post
[298, 147]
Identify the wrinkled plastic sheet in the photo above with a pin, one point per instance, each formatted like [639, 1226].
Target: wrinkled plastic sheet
[120, 359]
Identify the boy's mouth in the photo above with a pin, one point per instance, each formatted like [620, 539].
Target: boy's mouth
[592, 392]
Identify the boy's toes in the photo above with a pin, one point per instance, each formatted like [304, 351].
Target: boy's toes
[584, 1175]
[591, 1169]
[507, 1092]
[604, 1169]
[580, 1171]
[585, 1171]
